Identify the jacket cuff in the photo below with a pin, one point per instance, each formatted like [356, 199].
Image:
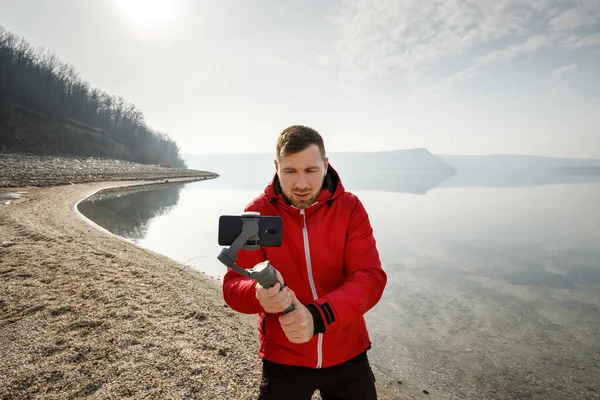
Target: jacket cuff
[317, 319]
[325, 310]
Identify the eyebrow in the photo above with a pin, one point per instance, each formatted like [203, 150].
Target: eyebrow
[294, 169]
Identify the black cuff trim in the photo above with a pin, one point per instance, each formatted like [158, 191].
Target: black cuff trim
[328, 312]
[327, 317]
[328, 307]
[317, 319]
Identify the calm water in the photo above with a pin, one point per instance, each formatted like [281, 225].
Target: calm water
[493, 292]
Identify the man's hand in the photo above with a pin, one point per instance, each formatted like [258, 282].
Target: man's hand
[297, 325]
[274, 300]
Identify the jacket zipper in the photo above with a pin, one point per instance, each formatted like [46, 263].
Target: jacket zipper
[312, 284]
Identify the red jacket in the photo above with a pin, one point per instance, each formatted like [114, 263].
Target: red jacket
[329, 259]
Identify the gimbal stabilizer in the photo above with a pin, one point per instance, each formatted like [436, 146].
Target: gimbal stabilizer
[263, 272]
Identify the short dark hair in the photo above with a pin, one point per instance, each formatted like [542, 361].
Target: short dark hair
[296, 138]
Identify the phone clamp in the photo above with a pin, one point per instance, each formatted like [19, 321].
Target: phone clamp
[247, 240]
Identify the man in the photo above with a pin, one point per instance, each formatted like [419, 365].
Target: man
[332, 276]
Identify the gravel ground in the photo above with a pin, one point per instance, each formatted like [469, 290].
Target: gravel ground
[20, 170]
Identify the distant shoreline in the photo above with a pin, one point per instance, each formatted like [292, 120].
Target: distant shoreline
[578, 170]
[27, 170]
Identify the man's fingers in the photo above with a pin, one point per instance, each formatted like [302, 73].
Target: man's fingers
[281, 298]
[290, 319]
[279, 277]
[291, 332]
[287, 324]
[295, 301]
[274, 290]
[277, 303]
[296, 339]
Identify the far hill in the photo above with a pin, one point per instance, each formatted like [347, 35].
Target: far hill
[515, 162]
[514, 170]
[413, 160]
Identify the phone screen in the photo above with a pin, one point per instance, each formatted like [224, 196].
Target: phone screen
[270, 230]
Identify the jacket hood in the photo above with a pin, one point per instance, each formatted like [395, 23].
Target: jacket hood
[332, 188]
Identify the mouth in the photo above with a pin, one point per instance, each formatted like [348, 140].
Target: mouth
[302, 196]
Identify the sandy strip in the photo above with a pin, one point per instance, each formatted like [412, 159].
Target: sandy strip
[84, 313]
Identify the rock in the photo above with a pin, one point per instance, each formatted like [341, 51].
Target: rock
[7, 243]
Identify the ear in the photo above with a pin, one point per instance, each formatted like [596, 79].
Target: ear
[326, 163]
[276, 165]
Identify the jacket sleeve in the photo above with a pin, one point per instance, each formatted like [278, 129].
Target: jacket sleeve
[238, 291]
[365, 278]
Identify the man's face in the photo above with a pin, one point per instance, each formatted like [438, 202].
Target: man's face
[301, 175]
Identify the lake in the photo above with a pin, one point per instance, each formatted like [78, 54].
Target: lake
[493, 290]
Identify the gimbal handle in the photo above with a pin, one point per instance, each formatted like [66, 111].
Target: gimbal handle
[266, 276]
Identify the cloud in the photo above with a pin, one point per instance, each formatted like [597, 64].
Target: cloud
[530, 45]
[427, 41]
[571, 19]
[555, 79]
[576, 42]
[315, 69]
[589, 6]
[387, 34]
[565, 69]
[281, 63]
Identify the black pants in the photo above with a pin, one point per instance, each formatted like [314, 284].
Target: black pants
[352, 380]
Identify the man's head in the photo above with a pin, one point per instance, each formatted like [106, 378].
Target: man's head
[301, 164]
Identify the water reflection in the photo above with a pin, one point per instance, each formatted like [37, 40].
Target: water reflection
[492, 293]
[412, 182]
[127, 212]
[483, 178]
[394, 181]
[386, 181]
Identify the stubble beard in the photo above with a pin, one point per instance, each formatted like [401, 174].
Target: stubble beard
[303, 204]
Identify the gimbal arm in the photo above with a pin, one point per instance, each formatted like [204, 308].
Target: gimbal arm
[229, 255]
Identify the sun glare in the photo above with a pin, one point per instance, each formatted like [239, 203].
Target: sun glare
[147, 12]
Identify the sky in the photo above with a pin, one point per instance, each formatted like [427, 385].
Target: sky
[452, 76]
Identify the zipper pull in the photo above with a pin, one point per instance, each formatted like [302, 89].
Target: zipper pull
[302, 219]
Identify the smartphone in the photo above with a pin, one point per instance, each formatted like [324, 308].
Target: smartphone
[270, 230]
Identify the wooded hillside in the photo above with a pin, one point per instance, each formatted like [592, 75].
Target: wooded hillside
[46, 107]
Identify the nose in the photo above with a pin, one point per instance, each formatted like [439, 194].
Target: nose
[302, 182]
